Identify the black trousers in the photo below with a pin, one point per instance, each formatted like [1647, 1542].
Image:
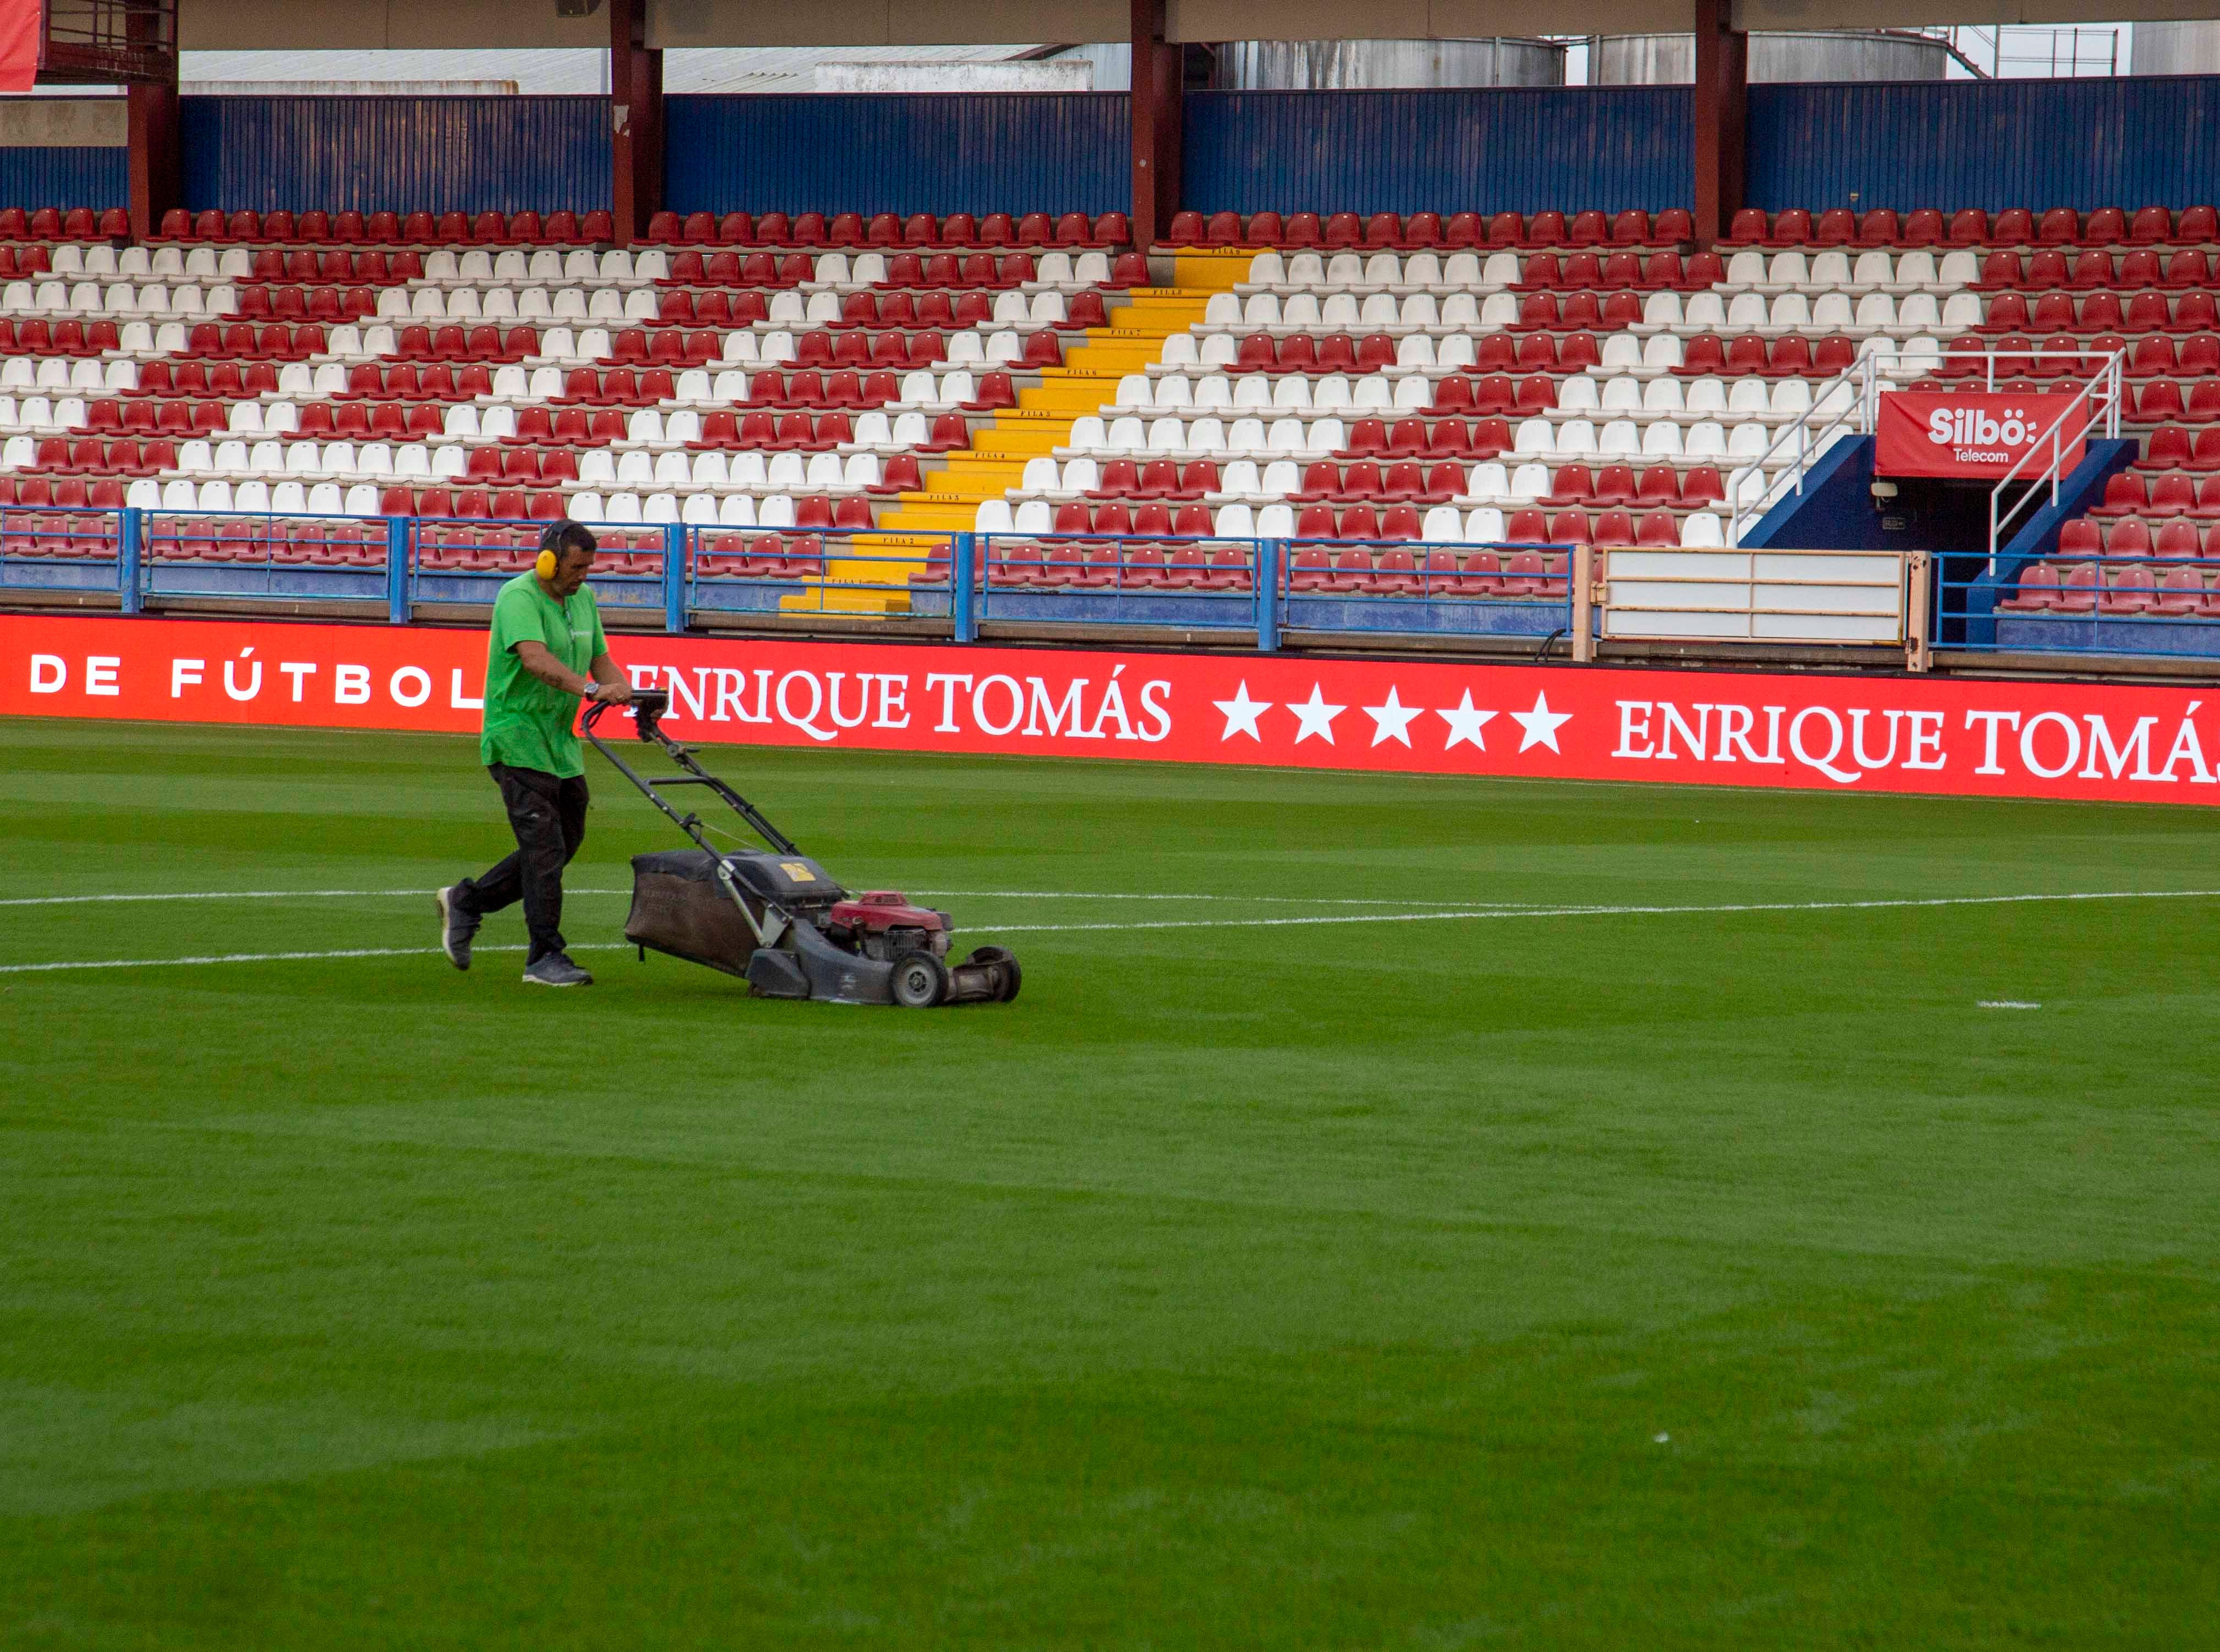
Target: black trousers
[548, 815]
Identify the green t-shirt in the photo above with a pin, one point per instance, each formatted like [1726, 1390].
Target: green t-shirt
[528, 723]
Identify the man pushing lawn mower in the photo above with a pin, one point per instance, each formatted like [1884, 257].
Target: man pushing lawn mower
[773, 917]
[546, 653]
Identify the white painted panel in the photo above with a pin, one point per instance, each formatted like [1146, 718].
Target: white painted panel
[1882, 569]
[1678, 593]
[1680, 565]
[1830, 598]
[1726, 627]
[1812, 627]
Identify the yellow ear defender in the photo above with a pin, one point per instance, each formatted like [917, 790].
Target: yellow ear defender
[550, 537]
[545, 566]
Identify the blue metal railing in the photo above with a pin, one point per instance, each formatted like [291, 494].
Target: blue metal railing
[65, 549]
[687, 571]
[1519, 590]
[1269, 585]
[2108, 604]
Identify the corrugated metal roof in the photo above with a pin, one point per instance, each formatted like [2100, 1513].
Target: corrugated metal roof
[767, 69]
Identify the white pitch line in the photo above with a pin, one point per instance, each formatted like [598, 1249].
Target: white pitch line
[284, 957]
[245, 895]
[1466, 915]
[977, 894]
[1244, 900]
[1614, 912]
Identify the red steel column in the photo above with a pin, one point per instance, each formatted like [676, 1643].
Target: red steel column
[1722, 117]
[635, 121]
[1158, 84]
[157, 154]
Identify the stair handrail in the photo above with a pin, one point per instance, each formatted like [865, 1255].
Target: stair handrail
[2103, 389]
[1862, 379]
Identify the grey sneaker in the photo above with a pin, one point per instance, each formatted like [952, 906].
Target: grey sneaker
[456, 926]
[555, 969]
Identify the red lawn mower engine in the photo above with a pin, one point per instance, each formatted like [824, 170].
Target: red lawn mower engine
[881, 923]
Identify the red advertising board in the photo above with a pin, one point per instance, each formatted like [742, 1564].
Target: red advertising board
[1973, 433]
[1836, 733]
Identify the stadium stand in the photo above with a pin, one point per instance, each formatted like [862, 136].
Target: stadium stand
[1368, 388]
[487, 370]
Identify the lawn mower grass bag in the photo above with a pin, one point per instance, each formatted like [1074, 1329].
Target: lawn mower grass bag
[680, 907]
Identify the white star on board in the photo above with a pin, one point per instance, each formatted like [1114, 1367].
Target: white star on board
[1541, 724]
[1393, 721]
[1317, 717]
[1241, 712]
[1465, 723]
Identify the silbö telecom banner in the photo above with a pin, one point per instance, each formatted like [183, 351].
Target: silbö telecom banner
[2129, 743]
[1973, 433]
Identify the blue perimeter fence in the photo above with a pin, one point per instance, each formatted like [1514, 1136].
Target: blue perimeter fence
[680, 570]
[2109, 604]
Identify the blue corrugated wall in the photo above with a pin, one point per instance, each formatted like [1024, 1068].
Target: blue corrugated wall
[439, 154]
[986, 151]
[1499, 149]
[1996, 143]
[95, 178]
[2083, 144]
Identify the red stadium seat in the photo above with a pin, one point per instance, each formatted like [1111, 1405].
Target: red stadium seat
[1792, 229]
[1746, 227]
[2038, 591]
[2061, 226]
[1836, 227]
[2152, 225]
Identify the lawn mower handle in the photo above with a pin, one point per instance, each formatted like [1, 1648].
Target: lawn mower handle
[648, 707]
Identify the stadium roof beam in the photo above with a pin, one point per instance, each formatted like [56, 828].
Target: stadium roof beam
[1722, 117]
[155, 158]
[635, 121]
[1157, 122]
[267, 25]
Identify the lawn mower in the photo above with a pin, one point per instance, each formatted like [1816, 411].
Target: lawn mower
[775, 918]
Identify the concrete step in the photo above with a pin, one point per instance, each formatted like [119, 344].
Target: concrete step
[858, 570]
[1022, 442]
[950, 515]
[835, 600]
[1164, 308]
[1074, 392]
[1212, 270]
[976, 476]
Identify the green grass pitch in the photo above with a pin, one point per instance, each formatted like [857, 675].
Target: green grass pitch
[1637, 1278]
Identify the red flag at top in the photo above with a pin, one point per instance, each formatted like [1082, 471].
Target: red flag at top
[22, 29]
